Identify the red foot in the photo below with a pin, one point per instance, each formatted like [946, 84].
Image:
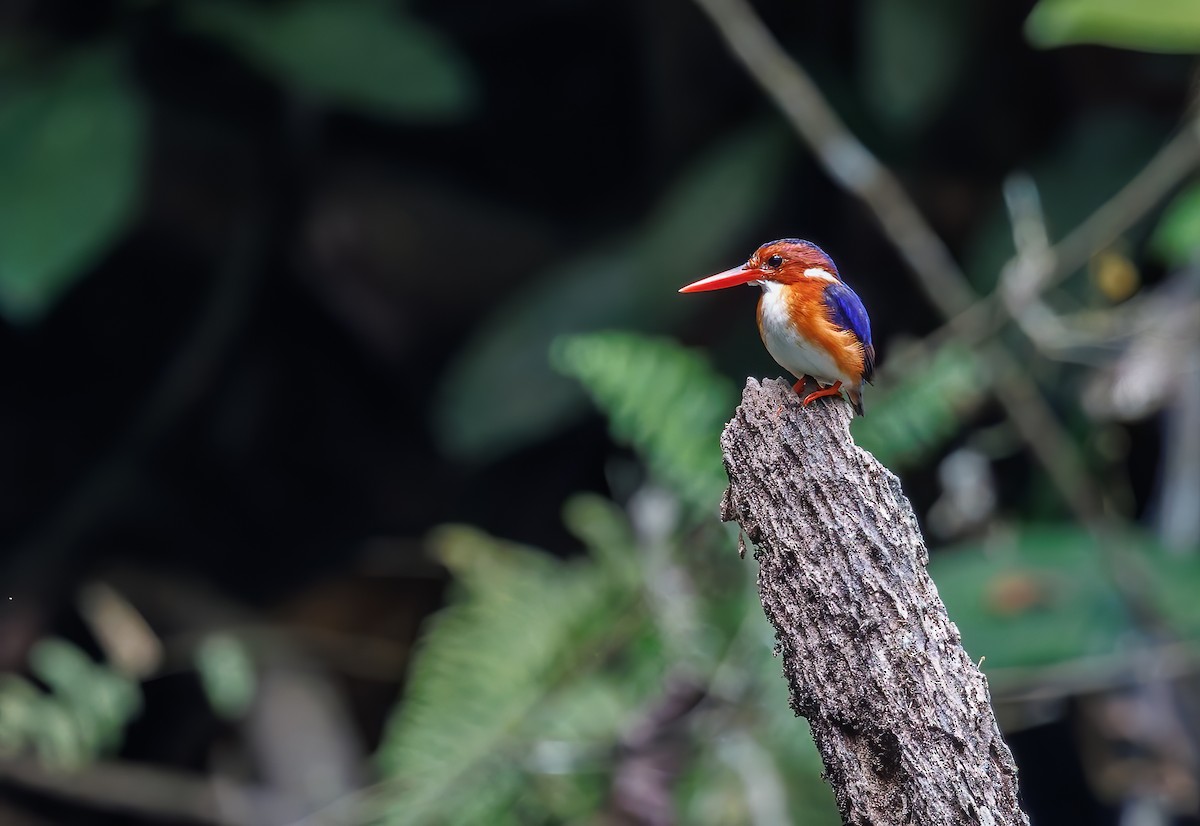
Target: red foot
[833, 390]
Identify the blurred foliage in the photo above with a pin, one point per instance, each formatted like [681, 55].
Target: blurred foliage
[361, 54]
[87, 706]
[522, 635]
[640, 383]
[227, 674]
[1150, 25]
[628, 281]
[73, 125]
[913, 54]
[81, 716]
[666, 401]
[72, 135]
[527, 681]
[1176, 237]
[1088, 163]
[909, 420]
[1035, 598]
[1040, 595]
[526, 684]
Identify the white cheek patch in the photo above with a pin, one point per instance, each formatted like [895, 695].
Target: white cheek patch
[820, 274]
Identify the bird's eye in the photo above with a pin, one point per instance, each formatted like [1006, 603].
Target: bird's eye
[775, 261]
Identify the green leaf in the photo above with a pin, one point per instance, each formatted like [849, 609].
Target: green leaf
[1148, 25]
[519, 624]
[1172, 580]
[100, 701]
[61, 742]
[500, 392]
[1041, 596]
[227, 673]
[603, 528]
[777, 763]
[71, 141]
[85, 713]
[664, 400]
[114, 701]
[908, 421]
[61, 665]
[912, 56]
[18, 701]
[361, 54]
[1176, 239]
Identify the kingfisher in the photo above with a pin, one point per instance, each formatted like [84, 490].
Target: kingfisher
[811, 322]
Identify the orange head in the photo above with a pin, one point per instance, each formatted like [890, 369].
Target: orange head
[785, 261]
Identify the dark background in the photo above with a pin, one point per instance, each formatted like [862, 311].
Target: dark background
[271, 371]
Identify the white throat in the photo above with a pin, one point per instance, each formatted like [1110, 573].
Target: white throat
[787, 346]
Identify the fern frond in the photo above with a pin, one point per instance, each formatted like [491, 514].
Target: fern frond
[664, 400]
[924, 409]
[520, 623]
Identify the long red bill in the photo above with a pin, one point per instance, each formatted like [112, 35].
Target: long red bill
[729, 278]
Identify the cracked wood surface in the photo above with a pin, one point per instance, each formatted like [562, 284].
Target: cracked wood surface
[900, 714]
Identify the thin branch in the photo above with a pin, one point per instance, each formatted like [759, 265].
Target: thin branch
[1021, 281]
[1177, 159]
[1170, 166]
[651, 755]
[1094, 674]
[148, 792]
[1059, 336]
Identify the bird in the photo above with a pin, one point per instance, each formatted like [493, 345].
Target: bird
[811, 322]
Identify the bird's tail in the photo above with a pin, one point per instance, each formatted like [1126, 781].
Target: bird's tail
[855, 397]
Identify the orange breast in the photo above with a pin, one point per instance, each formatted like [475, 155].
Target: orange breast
[811, 317]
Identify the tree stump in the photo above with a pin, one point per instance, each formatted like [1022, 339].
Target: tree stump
[900, 714]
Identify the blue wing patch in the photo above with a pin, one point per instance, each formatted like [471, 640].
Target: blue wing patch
[846, 310]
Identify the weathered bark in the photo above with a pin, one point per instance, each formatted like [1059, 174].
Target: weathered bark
[899, 712]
